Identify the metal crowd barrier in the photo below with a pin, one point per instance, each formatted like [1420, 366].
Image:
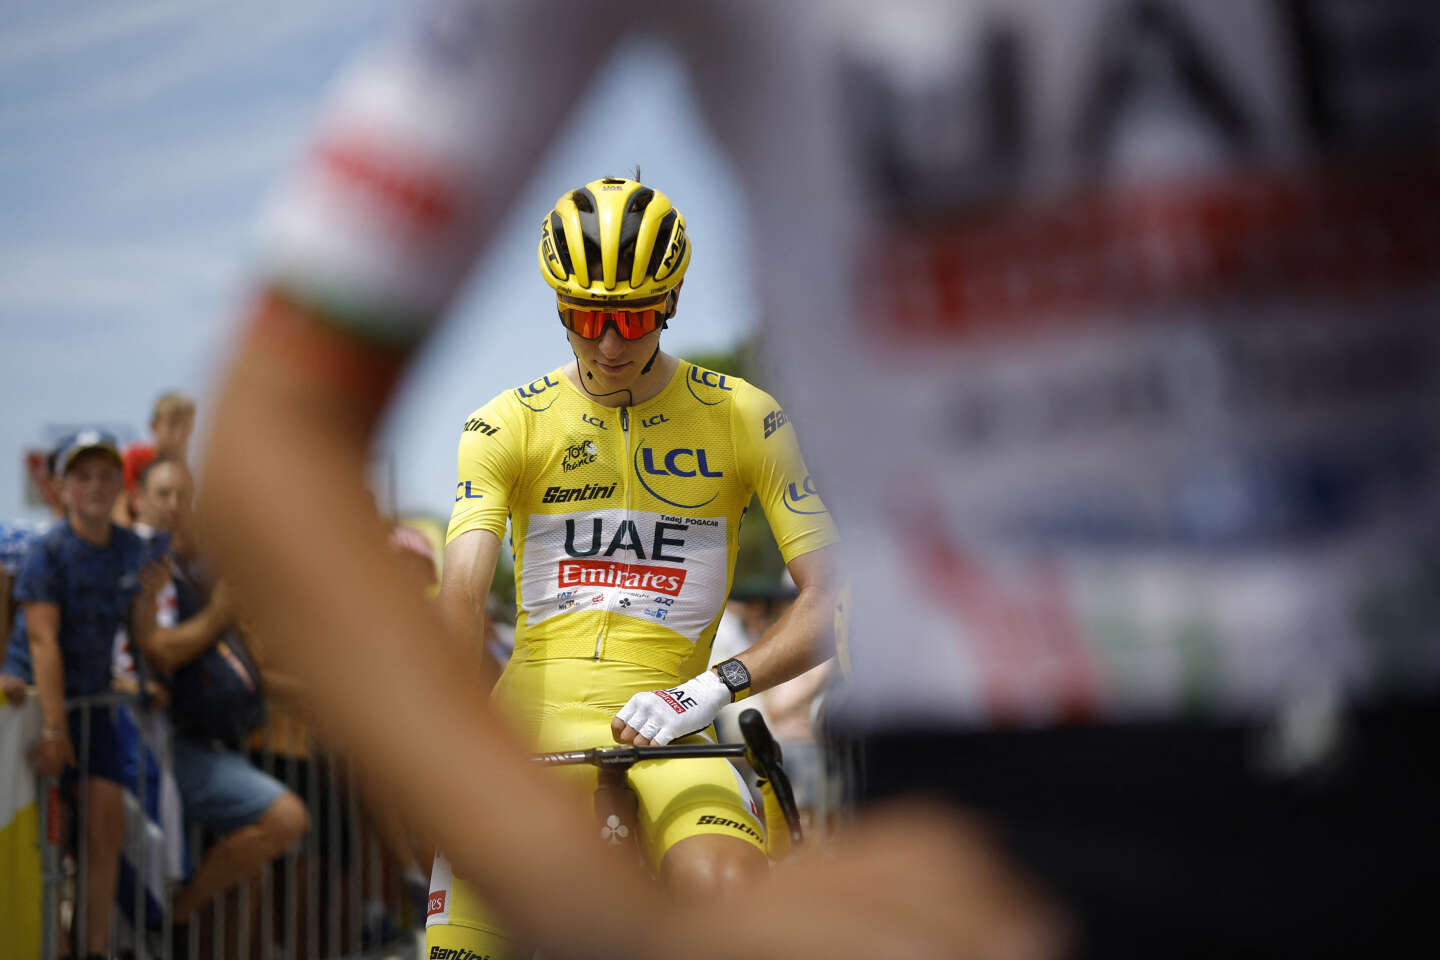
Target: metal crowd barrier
[338, 895]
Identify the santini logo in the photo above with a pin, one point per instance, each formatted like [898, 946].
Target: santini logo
[456, 953]
[476, 425]
[711, 820]
[591, 491]
[774, 420]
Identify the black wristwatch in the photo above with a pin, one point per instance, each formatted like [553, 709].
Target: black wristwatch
[734, 675]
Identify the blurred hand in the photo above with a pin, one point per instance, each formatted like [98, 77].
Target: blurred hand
[223, 603]
[153, 576]
[158, 693]
[13, 689]
[909, 883]
[51, 757]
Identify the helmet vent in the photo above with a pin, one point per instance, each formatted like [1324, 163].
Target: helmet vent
[630, 229]
[585, 205]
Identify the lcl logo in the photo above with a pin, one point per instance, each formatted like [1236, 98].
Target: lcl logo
[796, 495]
[528, 394]
[673, 466]
[686, 463]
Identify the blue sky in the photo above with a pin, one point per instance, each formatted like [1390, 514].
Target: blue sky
[138, 140]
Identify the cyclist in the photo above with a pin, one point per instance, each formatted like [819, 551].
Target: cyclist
[625, 475]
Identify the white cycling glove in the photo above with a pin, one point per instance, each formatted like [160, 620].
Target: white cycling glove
[664, 715]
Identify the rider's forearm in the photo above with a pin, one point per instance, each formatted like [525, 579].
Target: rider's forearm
[304, 544]
[803, 637]
[462, 607]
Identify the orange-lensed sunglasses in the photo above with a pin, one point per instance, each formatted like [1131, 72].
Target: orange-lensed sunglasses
[589, 322]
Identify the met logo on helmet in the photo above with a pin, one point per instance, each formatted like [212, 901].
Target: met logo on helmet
[677, 247]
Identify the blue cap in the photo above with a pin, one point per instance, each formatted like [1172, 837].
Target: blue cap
[75, 444]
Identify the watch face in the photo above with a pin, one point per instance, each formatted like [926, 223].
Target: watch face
[736, 676]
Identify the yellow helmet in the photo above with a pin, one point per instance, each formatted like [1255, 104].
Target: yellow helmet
[614, 239]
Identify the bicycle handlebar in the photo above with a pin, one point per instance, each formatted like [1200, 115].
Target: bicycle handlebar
[763, 753]
[624, 756]
[759, 749]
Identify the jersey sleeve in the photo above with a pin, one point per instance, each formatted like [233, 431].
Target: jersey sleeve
[39, 579]
[770, 459]
[489, 463]
[421, 146]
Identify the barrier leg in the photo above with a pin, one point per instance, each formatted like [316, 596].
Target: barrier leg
[51, 838]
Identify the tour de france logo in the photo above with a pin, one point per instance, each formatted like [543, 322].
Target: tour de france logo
[578, 453]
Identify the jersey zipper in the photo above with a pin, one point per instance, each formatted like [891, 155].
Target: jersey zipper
[625, 481]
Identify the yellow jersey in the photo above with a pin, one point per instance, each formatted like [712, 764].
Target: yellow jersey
[625, 520]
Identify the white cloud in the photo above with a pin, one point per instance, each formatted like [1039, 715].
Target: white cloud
[65, 36]
[236, 33]
[251, 146]
[132, 277]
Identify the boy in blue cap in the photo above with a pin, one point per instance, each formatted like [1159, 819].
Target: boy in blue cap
[79, 583]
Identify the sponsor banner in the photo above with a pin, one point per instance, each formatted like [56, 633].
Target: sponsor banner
[663, 569]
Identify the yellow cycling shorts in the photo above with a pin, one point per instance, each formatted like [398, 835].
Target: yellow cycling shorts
[568, 705]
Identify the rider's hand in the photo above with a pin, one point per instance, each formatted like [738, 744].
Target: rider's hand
[659, 716]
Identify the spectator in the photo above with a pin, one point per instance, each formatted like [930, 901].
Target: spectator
[78, 584]
[17, 535]
[255, 817]
[171, 422]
